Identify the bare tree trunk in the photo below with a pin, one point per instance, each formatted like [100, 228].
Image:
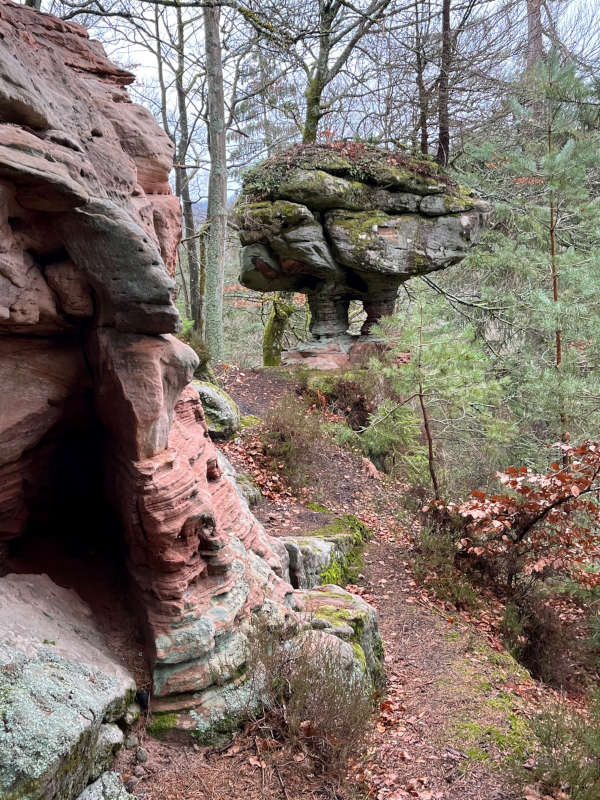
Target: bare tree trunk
[535, 46]
[425, 416]
[182, 182]
[318, 78]
[443, 151]
[264, 79]
[423, 107]
[272, 343]
[430, 455]
[37, 4]
[313, 95]
[420, 79]
[216, 215]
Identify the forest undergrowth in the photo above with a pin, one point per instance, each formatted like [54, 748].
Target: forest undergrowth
[462, 717]
[499, 676]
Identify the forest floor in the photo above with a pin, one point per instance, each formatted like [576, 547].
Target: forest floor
[457, 706]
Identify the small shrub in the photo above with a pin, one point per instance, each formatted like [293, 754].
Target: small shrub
[568, 751]
[537, 525]
[434, 565]
[193, 339]
[355, 395]
[311, 699]
[292, 435]
[353, 400]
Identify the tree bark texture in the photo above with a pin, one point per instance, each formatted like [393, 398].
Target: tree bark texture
[216, 215]
[443, 151]
[182, 183]
[535, 45]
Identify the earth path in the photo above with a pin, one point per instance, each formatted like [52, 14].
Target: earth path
[454, 704]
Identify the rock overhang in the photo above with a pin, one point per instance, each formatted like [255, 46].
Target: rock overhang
[349, 221]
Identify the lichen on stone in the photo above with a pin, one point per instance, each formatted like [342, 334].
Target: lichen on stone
[350, 221]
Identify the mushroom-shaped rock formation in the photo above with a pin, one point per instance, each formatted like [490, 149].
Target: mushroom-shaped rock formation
[348, 221]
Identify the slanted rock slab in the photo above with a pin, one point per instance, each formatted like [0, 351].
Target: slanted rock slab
[61, 691]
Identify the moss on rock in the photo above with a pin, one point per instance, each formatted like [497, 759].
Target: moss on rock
[220, 410]
[343, 611]
[162, 724]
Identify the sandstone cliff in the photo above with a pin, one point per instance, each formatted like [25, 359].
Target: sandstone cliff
[96, 407]
[89, 237]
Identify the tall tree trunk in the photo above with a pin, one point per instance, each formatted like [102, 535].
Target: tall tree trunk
[313, 95]
[423, 107]
[421, 62]
[564, 434]
[216, 215]
[443, 151]
[318, 78]
[535, 46]
[264, 102]
[182, 183]
[37, 4]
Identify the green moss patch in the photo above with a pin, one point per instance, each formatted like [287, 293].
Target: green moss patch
[346, 524]
[360, 227]
[250, 421]
[490, 724]
[317, 507]
[356, 162]
[350, 534]
[163, 722]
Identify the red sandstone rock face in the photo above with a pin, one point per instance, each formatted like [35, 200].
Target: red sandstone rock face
[88, 238]
[96, 166]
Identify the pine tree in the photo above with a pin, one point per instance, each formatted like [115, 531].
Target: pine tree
[444, 386]
[540, 263]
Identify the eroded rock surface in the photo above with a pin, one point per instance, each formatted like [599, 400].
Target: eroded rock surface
[221, 411]
[97, 408]
[61, 692]
[347, 222]
[90, 231]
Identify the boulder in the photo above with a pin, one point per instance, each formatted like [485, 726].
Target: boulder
[61, 692]
[347, 221]
[326, 555]
[220, 410]
[107, 787]
[333, 610]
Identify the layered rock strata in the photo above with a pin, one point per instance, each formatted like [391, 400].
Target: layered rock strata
[90, 230]
[97, 410]
[347, 222]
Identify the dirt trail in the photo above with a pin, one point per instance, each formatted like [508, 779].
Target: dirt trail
[440, 731]
[454, 710]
